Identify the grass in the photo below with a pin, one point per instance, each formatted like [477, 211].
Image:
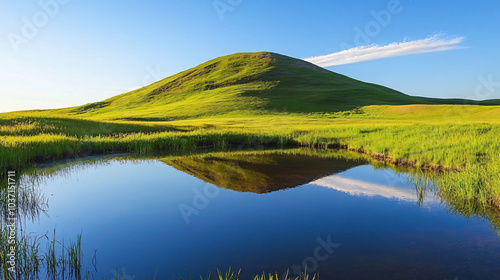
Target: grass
[32, 264]
[36, 257]
[471, 145]
[268, 99]
[235, 275]
[260, 170]
[248, 84]
[261, 99]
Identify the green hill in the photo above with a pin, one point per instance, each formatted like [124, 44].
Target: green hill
[248, 84]
[266, 99]
[260, 172]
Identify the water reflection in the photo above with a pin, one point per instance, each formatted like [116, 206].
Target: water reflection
[362, 188]
[264, 172]
[261, 172]
[261, 220]
[30, 202]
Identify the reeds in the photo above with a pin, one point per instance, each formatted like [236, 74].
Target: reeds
[32, 264]
[231, 274]
[471, 147]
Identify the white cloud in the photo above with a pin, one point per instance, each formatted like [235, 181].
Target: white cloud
[360, 188]
[364, 53]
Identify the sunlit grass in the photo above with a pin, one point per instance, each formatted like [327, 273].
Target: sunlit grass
[231, 274]
[57, 261]
[414, 135]
[261, 99]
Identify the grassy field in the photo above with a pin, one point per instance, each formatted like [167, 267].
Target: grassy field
[470, 145]
[250, 99]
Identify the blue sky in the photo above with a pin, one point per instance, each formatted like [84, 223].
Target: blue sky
[58, 53]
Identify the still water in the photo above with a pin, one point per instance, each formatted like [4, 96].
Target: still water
[181, 217]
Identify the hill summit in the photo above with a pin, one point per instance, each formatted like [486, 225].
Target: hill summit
[243, 83]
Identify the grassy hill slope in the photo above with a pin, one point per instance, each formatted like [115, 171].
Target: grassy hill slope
[253, 99]
[247, 84]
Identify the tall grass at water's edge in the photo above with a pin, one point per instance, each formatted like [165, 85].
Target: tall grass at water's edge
[30, 263]
[235, 275]
[18, 152]
[471, 148]
[475, 185]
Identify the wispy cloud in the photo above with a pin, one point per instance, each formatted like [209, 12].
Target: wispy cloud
[364, 53]
[361, 188]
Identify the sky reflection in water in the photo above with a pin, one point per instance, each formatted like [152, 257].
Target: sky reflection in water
[132, 212]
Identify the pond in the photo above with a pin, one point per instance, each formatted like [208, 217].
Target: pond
[178, 217]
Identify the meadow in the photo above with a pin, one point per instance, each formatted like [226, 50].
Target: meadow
[457, 140]
[255, 100]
